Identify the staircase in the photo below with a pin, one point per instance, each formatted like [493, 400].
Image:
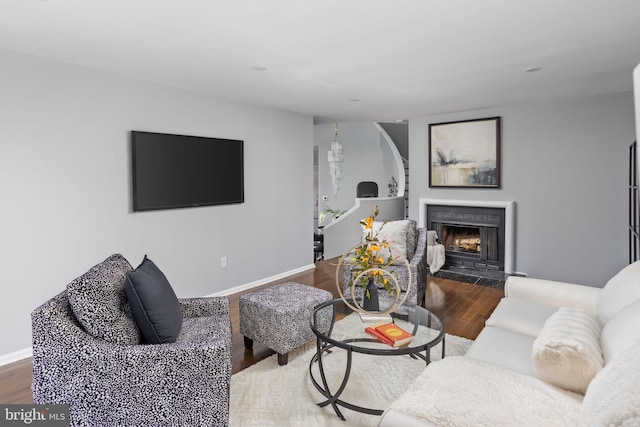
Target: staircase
[398, 134]
[405, 163]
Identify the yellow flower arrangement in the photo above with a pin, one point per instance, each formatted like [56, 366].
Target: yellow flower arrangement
[369, 260]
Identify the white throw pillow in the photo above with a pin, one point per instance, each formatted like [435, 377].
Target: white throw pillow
[620, 291]
[613, 397]
[621, 332]
[567, 352]
[395, 233]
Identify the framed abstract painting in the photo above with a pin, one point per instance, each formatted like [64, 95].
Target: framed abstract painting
[465, 154]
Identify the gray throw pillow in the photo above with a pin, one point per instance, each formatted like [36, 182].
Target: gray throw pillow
[154, 303]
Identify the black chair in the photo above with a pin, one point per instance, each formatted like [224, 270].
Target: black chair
[367, 189]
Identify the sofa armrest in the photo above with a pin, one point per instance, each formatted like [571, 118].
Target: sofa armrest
[205, 306]
[420, 256]
[556, 294]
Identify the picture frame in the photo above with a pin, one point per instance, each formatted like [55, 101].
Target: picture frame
[465, 154]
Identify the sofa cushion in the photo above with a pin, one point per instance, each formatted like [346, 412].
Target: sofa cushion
[621, 332]
[460, 391]
[567, 352]
[504, 348]
[620, 291]
[613, 397]
[395, 233]
[520, 315]
[98, 301]
[154, 303]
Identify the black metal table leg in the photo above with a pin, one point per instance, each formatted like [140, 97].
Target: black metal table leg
[334, 399]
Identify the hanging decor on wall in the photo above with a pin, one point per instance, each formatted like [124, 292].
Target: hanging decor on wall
[465, 153]
[336, 158]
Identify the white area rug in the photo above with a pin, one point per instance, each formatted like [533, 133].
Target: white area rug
[266, 394]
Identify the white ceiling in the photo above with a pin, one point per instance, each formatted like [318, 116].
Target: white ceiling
[398, 58]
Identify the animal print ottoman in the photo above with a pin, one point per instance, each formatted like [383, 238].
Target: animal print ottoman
[278, 316]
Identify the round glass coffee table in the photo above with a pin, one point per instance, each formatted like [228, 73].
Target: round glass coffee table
[426, 328]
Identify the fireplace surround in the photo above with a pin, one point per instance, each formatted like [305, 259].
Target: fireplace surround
[473, 236]
[476, 234]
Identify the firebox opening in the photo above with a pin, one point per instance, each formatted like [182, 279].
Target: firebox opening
[462, 239]
[473, 236]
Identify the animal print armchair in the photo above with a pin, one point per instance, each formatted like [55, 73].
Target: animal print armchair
[87, 353]
[408, 235]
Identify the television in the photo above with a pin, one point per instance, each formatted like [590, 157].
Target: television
[180, 171]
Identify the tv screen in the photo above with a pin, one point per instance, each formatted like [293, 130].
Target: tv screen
[179, 171]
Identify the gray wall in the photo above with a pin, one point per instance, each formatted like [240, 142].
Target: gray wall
[65, 187]
[367, 158]
[399, 133]
[565, 163]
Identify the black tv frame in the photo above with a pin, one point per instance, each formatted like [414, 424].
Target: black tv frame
[142, 137]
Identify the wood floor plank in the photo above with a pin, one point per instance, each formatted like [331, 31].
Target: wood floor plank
[462, 307]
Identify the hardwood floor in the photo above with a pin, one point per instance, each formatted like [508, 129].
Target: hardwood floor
[463, 309]
[15, 382]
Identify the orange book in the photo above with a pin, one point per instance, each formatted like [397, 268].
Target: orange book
[379, 336]
[395, 334]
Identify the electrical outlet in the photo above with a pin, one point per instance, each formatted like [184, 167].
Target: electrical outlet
[223, 262]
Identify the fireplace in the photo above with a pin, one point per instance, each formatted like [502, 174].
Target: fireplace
[475, 234]
[461, 239]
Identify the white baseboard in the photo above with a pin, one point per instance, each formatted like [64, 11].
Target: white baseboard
[16, 356]
[261, 282]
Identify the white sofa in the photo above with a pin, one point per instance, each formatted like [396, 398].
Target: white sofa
[562, 332]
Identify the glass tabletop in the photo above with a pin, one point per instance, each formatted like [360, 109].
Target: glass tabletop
[335, 323]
